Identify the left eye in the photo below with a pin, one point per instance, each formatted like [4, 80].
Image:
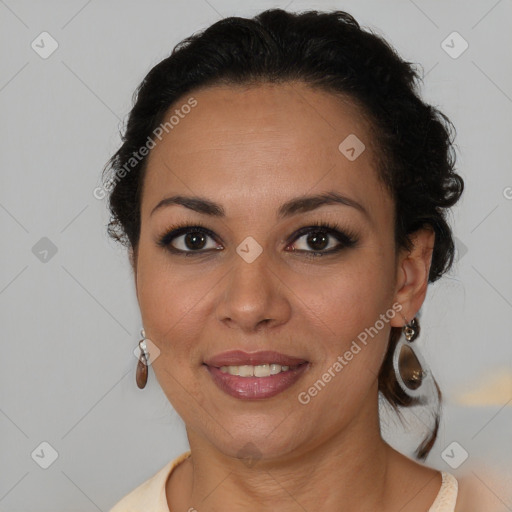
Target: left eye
[317, 240]
[322, 239]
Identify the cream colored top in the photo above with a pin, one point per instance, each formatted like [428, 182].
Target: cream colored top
[150, 496]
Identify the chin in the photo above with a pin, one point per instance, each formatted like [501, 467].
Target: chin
[258, 444]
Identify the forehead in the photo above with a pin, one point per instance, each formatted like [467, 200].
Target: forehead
[274, 141]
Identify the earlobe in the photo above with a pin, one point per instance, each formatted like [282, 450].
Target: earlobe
[414, 269]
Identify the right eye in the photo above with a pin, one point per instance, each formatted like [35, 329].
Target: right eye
[187, 240]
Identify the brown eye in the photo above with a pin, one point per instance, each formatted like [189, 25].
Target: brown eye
[188, 240]
[194, 240]
[318, 240]
[322, 239]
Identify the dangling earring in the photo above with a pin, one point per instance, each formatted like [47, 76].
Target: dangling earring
[141, 375]
[408, 364]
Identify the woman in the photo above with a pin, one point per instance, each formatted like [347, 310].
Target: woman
[282, 190]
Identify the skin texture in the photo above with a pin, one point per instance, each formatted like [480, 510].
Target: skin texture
[251, 149]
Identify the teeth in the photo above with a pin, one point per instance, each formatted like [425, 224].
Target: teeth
[232, 370]
[246, 371]
[275, 368]
[261, 370]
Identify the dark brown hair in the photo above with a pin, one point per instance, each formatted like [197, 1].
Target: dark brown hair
[328, 51]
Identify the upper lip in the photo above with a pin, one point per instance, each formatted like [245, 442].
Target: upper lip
[239, 357]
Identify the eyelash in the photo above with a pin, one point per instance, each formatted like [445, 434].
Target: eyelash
[346, 238]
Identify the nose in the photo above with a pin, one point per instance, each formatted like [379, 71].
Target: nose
[253, 296]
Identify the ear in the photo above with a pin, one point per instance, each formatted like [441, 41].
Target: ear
[413, 268]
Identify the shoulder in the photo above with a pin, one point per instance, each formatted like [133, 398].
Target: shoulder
[150, 495]
[447, 496]
[484, 488]
[467, 493]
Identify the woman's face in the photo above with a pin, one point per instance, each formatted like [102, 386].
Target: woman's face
[240, 286]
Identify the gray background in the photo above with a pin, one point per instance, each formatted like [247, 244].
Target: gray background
[70, 320]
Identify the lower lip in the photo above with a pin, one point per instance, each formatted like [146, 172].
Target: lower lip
[251, 388]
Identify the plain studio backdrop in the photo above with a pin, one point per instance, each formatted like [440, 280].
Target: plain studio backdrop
[76, 432]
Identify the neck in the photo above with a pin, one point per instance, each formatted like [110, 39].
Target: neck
[348, 468]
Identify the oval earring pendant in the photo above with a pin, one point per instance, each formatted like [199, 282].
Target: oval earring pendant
[141, 375]
[410, 368]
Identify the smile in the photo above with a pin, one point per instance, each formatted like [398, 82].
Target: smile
[248, 382]
[261, 370]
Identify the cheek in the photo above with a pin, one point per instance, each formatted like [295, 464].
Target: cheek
[172, 309]
[350, 351]
[165, 290]
[348, 299]
[172, 304]
[347, 307]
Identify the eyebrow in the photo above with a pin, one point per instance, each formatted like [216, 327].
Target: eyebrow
[292, 207]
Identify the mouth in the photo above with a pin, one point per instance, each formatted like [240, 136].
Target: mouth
[256, 375]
